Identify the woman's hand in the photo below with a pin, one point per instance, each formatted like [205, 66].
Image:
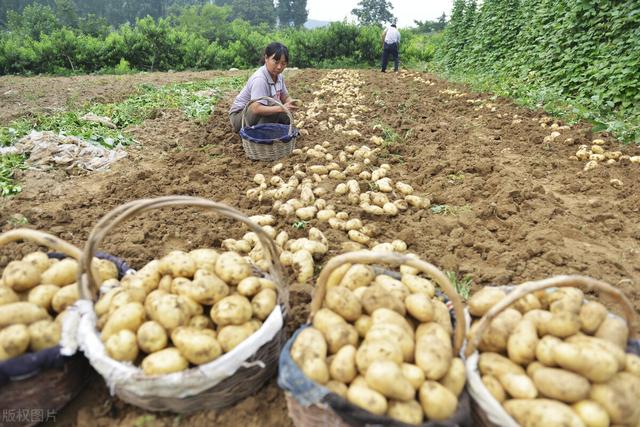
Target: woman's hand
[291, 104]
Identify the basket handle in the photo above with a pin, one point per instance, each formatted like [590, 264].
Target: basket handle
[370, 257]
[89, 283]
[586, 283]
[42, 239]
[272, 100]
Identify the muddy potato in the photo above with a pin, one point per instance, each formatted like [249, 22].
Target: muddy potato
[21, 312]
[561, 385]
[232, 268]
[42, 295]
[544, 350]
[62, 273]
[533, 367]
[409, 412]
[337, 387]
[231, 310]
[129, 316]
[363, 324]
[205, 288]
[7, 295]
[441, 315]
[344, 303]
[20, 276]
[65, 297]
[420, 307]
[178, 264]
[567, 300]
[151, 337]
[495, 364]
[563, 324]
[356, 276]
[496, 335]
[122, 346]
[39, 260]
[395, 334]
[343, 366]
[387, 316]
[14, 340]
[147, 278]
[589, 341]
[593, 363]
[374, 350]
[376, 297]
[393, 286]
[456, 377]
[230, 336]
[367, 399]
[527, 303]
[619, 397]
[518, 386]
[495, 388]
[484, 299]
[540, 319]
[591, 413]
[263, 303]
[521, 344]
[197, 346]
[309, 343]
[592, 314]
[249, 286]
[205, 259]
[201, 321]
[542, 413]
[433, 351]
[105, 269]
[44, 334]
[632, 364]
[614, 330]
[438, 403]
[104, 302]
[386, 377]
[164, 362]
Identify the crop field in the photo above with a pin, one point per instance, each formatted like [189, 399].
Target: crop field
[501, 194]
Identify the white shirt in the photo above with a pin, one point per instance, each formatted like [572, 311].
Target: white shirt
[260, 84]
[392, 36]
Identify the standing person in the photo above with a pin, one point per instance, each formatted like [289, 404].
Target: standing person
[390, 46]
[266, 81]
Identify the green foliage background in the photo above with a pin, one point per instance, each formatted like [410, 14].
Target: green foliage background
[576, 58]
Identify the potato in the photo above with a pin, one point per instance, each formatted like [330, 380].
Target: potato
[21, 312]
[169, 310]
[386, 377]
[343, 366]
[231, 310]
[533, 367]
[566, 299]
[495, 388]
[438, 403]
[456, 377]
[20, 276]
[518, 386]
[409, 412]
[592, 314]
[104, 302]
[585, 340]
[147, 278]
[206, 288]
[356, 276]
[178, 264]
[39, 260]
[527, 303]
[105, 269]
[496, 335]
[249, 286]
[521, 344]
[367, 399]
[542, 413]
[393, 286]
[614, 330]
[442, 316]
[337, 387]
[230, 336]
[374, 350]
[591, 413]
[632, 364]
[122, 346]
[495, 364]
[592, 363]
[151, 337]
[7, 296]
[386, 316]
[309, 343]
[420, 307]
[44, 334]
[335, 329]
[544, 350]
[201, 321]
[540, 319]
[125, 296]
[164, 362]
[232, 268]
[129, 316]
[196, 345]
[619, 397]
[393, 333]
[14, 340]
[377, 297]
[433, 353]
[484, 299]
[65, 297]
[344, 303]
[41, 295]
[413, 373]
[363, 324]
[563, 324]
[205, 259]
[561, 385]
[60, 274]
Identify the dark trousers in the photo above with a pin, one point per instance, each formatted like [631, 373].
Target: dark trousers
[390, 49]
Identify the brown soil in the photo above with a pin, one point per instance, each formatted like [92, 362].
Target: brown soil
[517, 208]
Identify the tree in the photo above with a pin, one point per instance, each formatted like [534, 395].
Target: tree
[255, 12]
[371, 12]
[292, 12]
[66, 13]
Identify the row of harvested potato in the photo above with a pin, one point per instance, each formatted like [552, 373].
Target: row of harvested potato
[34, 290]
[186, 308]
[383, 344]
[554, 357]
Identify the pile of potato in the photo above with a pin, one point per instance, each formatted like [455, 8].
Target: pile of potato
[553, 358]
[186, 308]
[384, 345]
[32, 291]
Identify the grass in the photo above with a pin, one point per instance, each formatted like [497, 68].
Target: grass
[300, 225]
[450, 210]
[8, 165]
[462, 285]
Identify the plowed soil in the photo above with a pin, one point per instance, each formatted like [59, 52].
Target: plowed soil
[506, 205]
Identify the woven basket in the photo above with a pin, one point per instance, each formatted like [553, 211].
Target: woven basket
[48, 390]
[487, 411]
[158, 392]
[321, 413]
[269, 150]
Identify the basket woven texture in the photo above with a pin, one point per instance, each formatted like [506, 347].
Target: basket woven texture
[270, 141]
[249, 377]
[323, 411]
[487, 411]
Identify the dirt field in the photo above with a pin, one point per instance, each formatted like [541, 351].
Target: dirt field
[509, 206]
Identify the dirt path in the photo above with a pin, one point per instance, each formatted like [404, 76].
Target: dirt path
[512, 207]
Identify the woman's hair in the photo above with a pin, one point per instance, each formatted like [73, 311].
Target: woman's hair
[277, 50]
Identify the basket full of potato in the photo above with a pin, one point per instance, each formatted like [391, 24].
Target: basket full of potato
[36, 370]
[190, 330]
[380, 347]
[543, 354]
